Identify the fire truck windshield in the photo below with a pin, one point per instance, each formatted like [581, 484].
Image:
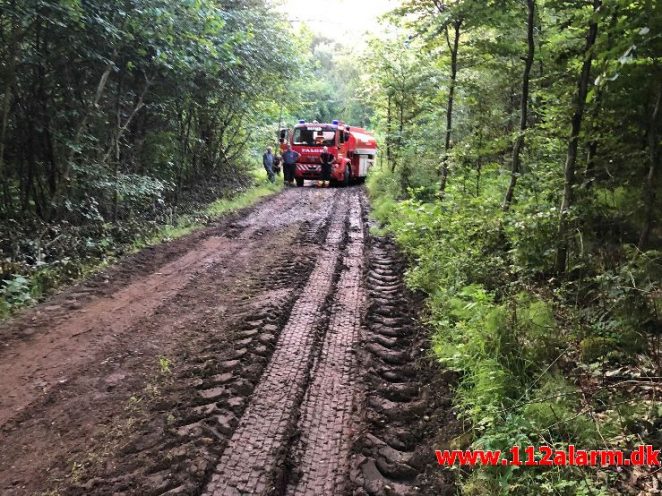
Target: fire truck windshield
[314, 136]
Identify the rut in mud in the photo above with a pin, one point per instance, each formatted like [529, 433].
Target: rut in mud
[274, 353]
[406, 405]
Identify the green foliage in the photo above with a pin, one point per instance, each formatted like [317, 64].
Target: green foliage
[16, 292]
[498, 348]
[546, 415]
[445, 241]
[165, 365]
[331, 85]
[496, 320]
[117, 118]
[531, 232]
[595, 347]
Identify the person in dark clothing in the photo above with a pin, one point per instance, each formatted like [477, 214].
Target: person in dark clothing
[327, 162]
[290, 158]
[268, 162]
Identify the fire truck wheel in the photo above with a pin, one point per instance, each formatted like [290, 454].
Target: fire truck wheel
[299, 181]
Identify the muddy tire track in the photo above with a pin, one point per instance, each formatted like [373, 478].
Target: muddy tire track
[406, 413]
[80, 412]
[284, 361]
[46, 356]
[185, 429]
[320, 457]
[252, 462]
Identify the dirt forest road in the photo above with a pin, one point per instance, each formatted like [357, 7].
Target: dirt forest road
[272, 353]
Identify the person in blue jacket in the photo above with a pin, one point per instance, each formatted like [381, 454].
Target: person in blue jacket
[268, 162]
[290, 158]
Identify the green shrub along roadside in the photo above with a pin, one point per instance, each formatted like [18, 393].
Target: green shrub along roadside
[119, 118]
[542, 360]
[42, 266]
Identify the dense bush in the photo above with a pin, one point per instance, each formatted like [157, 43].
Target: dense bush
[525, 191]
[118, 117]
[531, 349]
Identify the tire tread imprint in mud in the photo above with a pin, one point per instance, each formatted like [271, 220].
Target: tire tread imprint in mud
[180, 441]
[407, 410]
[254, 461]
[320, 457]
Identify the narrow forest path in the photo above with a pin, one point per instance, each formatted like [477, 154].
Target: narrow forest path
[273, 353]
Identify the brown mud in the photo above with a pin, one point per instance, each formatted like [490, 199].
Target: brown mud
[406, 405]
[275, 352]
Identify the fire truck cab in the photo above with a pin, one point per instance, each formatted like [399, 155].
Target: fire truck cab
[354, 150]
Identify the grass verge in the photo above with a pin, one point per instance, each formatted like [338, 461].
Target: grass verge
[186, 224]
[24, 290]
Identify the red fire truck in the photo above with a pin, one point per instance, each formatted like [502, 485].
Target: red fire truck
[354, 149]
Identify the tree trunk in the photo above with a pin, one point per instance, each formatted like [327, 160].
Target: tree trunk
[80, 129]
[401, 127]
[571, 157]
[389, 152]
[101, 86]
[114, 144]
[451, 96]
[592, 146]
[401, 121]
[10, 76]
[122, 128]
[4, 122]
[479, 162]
[591, 152]
[524, 106]
[42, 100]
[649, 187]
